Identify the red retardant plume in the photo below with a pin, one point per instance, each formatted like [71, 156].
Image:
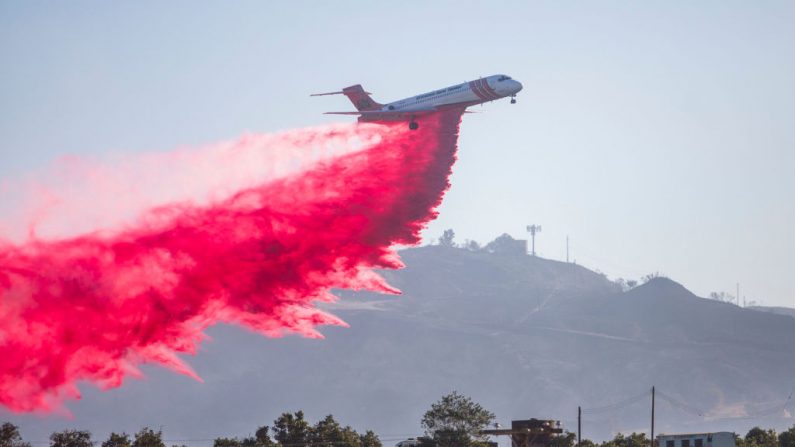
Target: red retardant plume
[94, 306]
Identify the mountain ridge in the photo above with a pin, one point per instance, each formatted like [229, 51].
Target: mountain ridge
[524, 336]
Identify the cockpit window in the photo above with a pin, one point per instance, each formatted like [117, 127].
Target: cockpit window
[502, 78]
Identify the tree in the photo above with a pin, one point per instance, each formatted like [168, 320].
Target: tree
[147, 437]
[722, 297]
[226, 442]
[262, 437]
[291, 429]
[471, 245]
[568, 439]
[456, 421]
[757, 437]
[71, 438]
[739, 441]
[329, 432]
[505, 244]
[649, 277]
[10, 437]
[370, 439]
[118, 440]
[447, 238]
[787, 438]
[633, 440]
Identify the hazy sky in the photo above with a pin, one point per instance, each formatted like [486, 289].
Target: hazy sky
[659, 136]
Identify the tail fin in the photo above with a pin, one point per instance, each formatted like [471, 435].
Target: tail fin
[360, 98]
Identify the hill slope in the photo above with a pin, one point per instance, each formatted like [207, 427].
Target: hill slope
[524, 336]
[776, 310]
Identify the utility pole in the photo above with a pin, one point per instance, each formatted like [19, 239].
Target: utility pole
[738, 294]
[652, 417]
[579, 426]
[533, 229]
[567, 249]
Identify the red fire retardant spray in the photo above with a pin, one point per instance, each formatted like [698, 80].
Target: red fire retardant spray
[95, 305]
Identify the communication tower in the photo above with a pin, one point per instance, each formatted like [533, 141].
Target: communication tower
[533, 229]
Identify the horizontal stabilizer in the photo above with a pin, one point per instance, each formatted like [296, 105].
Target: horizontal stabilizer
[326, 94]
[334, 93]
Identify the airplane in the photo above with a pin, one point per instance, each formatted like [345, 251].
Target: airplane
[458, 96]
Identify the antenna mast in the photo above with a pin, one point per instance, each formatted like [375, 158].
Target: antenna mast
[533, 229]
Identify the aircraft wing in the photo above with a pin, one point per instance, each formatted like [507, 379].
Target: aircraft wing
[387, 114]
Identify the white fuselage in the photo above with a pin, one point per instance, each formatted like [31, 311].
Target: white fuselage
[411, 109]
[466, 94]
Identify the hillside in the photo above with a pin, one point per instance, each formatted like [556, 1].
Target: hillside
[776, 310]
[524, 336]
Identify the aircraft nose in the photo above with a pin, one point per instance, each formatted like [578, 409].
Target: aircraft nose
[517, 86]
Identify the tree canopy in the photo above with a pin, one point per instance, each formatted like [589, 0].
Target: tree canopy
[453, 421]
[447, 239]
[758, 437]
[71, 438]
[118, 440]
[456, 421]
[633, 440]
[10, 437]
[787, 438]
[147, 437]
[293, 430]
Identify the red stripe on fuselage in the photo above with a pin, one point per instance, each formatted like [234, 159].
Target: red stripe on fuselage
[473, 87]
[481, 90]
[484, 89]
[490, 91]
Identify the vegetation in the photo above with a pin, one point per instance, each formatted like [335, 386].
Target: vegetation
[568, 439]
[148, 438]
[471, 245]
[504, 243]
[787, 438]
[118, 440]
[633, 440]
[757, 437]
[651, 276]
[291, 430]
[71, 438]
[456, 421]
[447, 239]
[10, 437]
[626, 284]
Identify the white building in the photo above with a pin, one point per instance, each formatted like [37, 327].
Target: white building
[718, 439]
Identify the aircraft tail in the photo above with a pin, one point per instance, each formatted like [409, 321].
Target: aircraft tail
[360, 98]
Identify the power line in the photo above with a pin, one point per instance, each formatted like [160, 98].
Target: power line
[681, 405]
[616, 405]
